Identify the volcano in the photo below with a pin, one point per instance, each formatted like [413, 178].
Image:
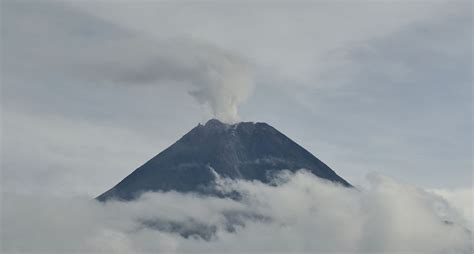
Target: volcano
[246, 150]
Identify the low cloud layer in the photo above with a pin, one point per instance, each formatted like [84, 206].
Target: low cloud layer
[301, 213]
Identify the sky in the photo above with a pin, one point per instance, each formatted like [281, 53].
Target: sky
[381, 91]
[91, 90]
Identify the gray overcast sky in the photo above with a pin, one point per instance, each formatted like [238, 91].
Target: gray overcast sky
[91, 90]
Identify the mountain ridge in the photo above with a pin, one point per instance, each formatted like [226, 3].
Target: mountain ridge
[244, 150]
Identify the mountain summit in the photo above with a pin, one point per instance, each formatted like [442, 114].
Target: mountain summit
[246, 150]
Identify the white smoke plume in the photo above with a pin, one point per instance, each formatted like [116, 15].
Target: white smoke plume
[216, 78]
[301, 214]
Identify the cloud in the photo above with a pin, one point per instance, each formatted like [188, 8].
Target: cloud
[302, 213]
[461, 200]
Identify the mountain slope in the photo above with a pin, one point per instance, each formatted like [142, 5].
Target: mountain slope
[251, 151]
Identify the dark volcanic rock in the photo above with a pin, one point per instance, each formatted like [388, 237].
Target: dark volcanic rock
[246, 150]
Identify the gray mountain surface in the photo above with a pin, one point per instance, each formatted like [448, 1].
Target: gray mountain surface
[246, 150]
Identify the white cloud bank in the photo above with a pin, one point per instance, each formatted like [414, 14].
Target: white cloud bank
[300, 214]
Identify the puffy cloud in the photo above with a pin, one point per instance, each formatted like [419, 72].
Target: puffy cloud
[461, 199]
[300, 213]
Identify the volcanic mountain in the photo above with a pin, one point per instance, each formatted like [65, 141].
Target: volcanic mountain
[246, 150]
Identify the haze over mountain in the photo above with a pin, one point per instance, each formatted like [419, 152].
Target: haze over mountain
[245, 150]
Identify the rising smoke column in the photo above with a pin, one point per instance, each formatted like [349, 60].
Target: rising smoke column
[224, 84]
[218, 79]
[214, 77]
